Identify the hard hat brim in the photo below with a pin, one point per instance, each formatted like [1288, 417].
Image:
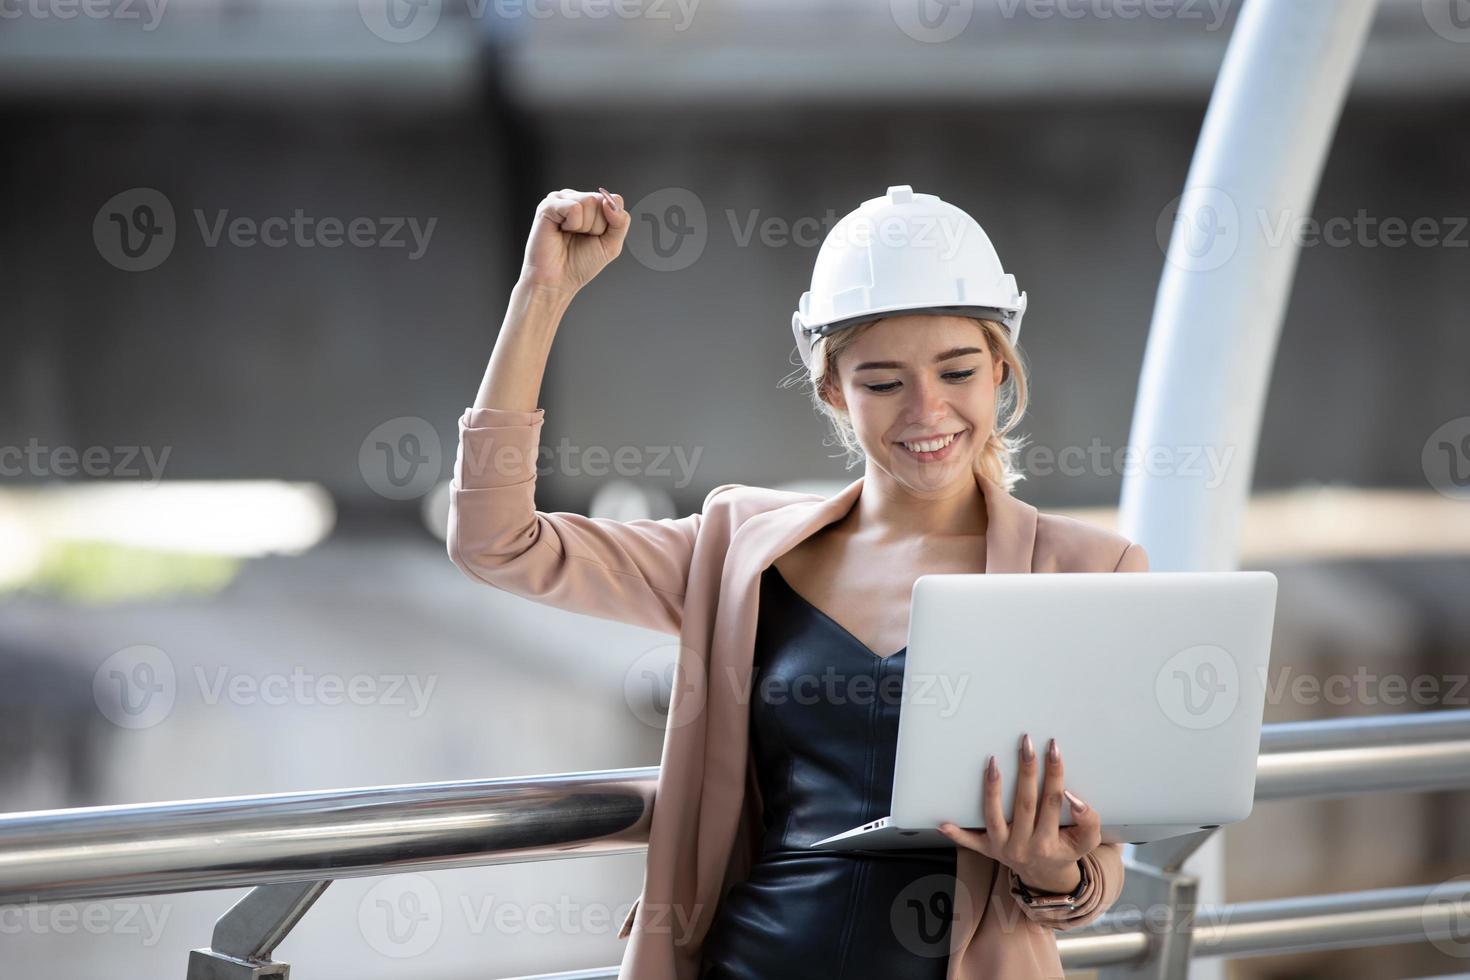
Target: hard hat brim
[1004, 315]
[806, 335]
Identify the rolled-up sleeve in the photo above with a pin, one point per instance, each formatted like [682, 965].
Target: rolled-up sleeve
[630, 571]
[1104, 884]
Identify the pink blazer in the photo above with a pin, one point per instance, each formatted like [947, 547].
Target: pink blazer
[698, 577]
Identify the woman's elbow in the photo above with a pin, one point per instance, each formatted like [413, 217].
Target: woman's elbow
[482, 553]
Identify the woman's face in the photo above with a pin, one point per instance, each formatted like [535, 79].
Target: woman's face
[920, 378]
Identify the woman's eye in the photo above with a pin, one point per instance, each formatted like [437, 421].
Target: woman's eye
[952, 375]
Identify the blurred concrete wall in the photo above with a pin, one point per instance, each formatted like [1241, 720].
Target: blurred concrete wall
[260, 361]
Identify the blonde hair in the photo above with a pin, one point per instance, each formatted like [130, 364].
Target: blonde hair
[996, 459]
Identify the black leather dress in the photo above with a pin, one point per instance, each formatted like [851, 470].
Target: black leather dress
[824, 726]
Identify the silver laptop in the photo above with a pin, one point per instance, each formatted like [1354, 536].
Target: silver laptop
[1153, 685]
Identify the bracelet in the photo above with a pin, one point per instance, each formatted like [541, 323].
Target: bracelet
[1068, 901]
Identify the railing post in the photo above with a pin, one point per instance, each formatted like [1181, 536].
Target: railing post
[246, 935]
[1163, 900]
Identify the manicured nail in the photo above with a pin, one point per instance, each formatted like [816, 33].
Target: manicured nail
[945, 828]
[1028, 751]
[1053, 753]
[992, 771]
[1077, 805]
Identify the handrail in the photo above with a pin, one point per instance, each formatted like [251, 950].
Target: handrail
[1412, 767]
[1341, 921]
[1339, 733]
[231, 842]
[157, 848]
[1292, 925]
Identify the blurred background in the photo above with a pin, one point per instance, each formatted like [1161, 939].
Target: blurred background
[255, 256]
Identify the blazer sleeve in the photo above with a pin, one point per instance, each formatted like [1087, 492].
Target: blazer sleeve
[630, 571]
[1104, 862]
[1104, 884]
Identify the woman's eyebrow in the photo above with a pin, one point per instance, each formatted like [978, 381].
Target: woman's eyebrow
[941, 356]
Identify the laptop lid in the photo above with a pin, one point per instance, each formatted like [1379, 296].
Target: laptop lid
[1152, 684]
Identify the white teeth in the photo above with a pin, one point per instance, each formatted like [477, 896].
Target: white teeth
[930, 445]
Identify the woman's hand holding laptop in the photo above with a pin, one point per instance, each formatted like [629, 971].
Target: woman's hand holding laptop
[1034, 845]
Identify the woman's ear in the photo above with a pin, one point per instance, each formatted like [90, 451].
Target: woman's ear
[832, 393]
[1002, 371]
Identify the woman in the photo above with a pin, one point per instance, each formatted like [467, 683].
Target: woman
[764, 585]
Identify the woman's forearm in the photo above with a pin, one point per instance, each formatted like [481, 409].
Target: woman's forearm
[518, 363]
[575, 234]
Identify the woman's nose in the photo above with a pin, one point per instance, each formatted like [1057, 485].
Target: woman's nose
[929, 403]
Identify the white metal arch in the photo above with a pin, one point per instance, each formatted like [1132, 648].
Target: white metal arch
[1223, 293]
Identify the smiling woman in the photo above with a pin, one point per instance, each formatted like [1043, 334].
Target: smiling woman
[910, 345]
[995, 454]
[900, 261]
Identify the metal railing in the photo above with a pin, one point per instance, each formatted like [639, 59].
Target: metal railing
[291, 846]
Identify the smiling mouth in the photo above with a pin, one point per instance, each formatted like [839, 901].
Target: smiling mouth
[932, 449]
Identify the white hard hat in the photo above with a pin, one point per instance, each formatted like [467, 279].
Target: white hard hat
[904, 253]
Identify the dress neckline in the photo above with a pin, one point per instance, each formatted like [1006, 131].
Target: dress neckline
[838, 626]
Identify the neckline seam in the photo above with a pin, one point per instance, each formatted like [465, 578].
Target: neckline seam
[881, 658]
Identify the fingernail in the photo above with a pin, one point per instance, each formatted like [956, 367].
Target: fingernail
[1028, 751]
[1077, 805]
[1053, 753]
[992, 771]
[944, 827]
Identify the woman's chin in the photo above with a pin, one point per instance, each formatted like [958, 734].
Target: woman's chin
[930, 478]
